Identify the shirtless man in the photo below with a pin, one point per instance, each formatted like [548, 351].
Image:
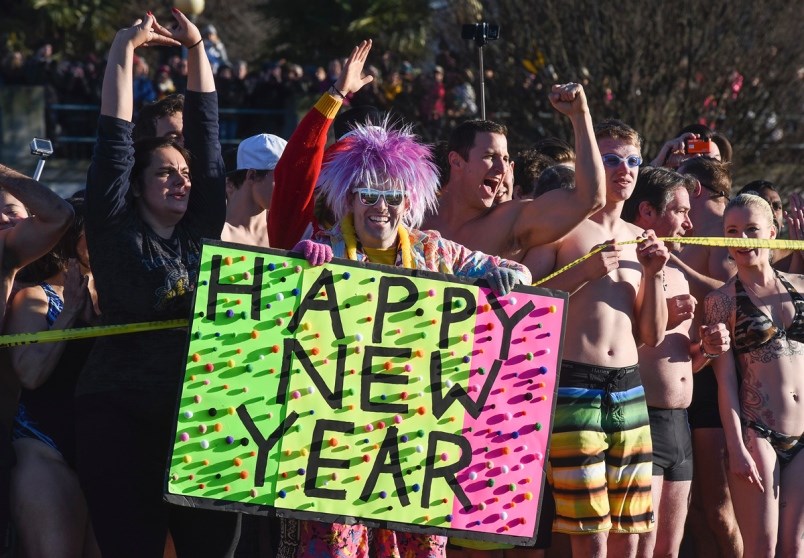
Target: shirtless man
[661, 201]
[479, 161]
[600, 457]
[249, 190]
[475, 207]
[706, 268]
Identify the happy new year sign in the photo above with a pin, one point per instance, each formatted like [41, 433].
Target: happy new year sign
[405, 399]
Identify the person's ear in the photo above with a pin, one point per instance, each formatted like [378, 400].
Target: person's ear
[455, 160]
[773, 231]
[698, 188]
[647, 211]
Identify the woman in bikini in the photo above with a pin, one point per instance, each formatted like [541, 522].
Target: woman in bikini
[47, 503]
[761, 386]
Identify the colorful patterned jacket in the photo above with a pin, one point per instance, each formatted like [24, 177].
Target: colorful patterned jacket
[434, 253]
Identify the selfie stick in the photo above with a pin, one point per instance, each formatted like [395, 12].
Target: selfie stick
[482, 83]
[42, 153]
[483, 32]
[40, 166]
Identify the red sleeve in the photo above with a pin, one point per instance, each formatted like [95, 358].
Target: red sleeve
[296, 174]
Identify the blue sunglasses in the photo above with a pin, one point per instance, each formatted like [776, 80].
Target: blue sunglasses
[611, 160]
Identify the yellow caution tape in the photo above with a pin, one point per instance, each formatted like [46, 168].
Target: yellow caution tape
[53, 336]
[774, 244]
[57, 335]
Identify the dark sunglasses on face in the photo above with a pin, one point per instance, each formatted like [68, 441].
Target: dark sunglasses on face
[370, 196]
[611, 160]
[717, 193]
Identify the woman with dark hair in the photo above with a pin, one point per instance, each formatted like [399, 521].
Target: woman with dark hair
[760, 386]
[145, 222]
[766, 190]
[48, 507]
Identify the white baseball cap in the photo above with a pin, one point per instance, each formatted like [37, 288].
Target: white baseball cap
[260, 152]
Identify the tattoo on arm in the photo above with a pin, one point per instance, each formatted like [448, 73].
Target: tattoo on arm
[719, 307]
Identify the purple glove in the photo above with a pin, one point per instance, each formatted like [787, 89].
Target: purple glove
[315, 253]
[501, 280]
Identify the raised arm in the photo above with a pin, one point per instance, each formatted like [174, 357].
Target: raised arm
[297, 171]
[535, 226]
[35, 363]
[185, 33]
[795, 225]
[673, 151]
[206, 210]
[117, 93]
[113, 157]
[351, 78]
[34, 237]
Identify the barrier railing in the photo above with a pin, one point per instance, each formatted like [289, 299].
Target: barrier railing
[77, 125]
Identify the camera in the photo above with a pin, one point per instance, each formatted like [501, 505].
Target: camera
[480, 33]
[698, 146]
[41, 147]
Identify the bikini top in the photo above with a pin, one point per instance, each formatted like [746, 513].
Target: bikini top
[54, 304]
[753, 328]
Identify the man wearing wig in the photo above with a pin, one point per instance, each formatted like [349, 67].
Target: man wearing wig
[379, 182]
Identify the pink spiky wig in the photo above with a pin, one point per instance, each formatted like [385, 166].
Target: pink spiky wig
[384, 157]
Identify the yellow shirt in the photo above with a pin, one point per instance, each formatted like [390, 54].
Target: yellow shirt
[380, 256]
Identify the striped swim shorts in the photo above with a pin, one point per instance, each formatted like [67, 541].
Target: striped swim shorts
[600, 455]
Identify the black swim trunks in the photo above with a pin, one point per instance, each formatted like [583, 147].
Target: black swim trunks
[672, 444]
[703, 411]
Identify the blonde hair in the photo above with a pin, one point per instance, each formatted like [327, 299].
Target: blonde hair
[752, 201]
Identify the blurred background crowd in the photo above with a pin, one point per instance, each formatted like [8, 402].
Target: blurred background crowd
[655, 65]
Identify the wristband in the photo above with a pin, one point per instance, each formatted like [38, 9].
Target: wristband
[707, 355]
[196, 44]
[332, 89]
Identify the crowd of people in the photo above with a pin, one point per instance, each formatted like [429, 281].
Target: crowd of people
[680, 386]
[263, 97]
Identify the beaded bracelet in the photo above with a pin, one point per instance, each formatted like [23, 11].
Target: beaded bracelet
[707, 355]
